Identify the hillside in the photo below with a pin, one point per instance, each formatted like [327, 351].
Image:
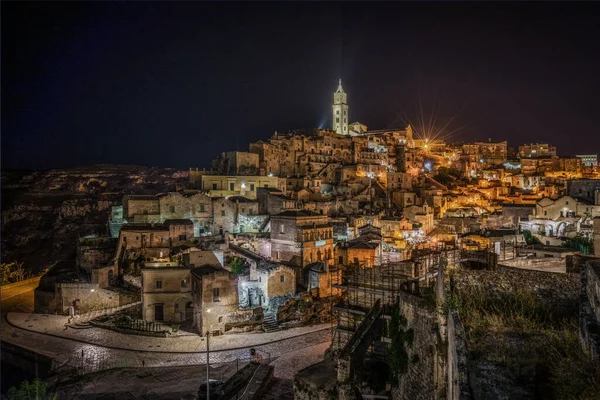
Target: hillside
[44, 212]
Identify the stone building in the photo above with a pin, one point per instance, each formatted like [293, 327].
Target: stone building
[274, 201]
[246, 186]
[301, 238]
[237, 163]
[148, 240]
[166, 293]
[266, 279]
[215, 298]
[366, 250]
[586, 189]
[536, 150]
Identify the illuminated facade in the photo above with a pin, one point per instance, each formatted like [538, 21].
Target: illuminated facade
[340, 111]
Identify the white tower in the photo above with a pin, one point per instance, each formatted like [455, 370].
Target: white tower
[340, 111]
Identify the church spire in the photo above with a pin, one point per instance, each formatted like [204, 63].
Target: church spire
[340, 89]
[340, 111]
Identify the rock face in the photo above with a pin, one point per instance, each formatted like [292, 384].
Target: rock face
[45, 212]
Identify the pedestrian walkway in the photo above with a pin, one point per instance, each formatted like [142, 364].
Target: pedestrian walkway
[57, 326]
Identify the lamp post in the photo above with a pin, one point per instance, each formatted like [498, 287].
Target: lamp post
[207, 364]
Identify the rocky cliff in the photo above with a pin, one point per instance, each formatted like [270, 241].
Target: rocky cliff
[44, 212]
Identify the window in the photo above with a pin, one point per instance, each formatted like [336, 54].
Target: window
[282, 278]
[124, 239]
[184, 283]
[145, 212]
[545, 212]
[231, 185]
[266, 185]
[337, 120]
[214, 186]
[216, 294]
[281, 229]
[201, 207]
[172, 209]
[259, 279]
[337, 112]
[567, 202]
[243, 210]
[252, 187]
[220, 319]
[222, 213]
[159, 284]
[182, 237]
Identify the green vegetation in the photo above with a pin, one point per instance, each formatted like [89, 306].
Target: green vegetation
[531, 338]
[13, 272]
[237, 265]
[585, 245]
[402, 339]
[36, 390]
[530, 239]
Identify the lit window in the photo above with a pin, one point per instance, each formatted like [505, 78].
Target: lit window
[184, 283]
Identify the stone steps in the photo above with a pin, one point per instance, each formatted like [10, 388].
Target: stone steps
[270, 324]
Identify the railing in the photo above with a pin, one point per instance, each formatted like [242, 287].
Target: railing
[253, 385]
[141, 325]
[107, 311]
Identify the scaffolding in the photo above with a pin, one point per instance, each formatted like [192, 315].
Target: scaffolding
[362, 286]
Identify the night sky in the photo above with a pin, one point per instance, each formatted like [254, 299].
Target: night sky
[175, 84]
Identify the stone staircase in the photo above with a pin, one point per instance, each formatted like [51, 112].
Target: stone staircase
[270, 323]
[82, 320]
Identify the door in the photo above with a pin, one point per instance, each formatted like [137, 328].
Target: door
[189, 311]
[159, 312]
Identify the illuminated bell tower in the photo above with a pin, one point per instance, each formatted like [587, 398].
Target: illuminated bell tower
[340, 111]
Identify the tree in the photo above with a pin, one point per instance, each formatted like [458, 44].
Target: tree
[36, 390]
[13, 272]
[237, 265]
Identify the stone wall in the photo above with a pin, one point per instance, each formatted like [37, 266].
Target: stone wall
[559, 290]
[281, 281]
[418, 383]
[589, 322]
[458, 374]
[87, 297]
[95, 252]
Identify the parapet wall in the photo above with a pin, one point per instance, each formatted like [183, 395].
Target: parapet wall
[458, 373]
[589, 315]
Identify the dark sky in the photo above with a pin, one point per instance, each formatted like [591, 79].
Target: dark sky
[175, 84]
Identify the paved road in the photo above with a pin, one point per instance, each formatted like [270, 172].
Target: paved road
[19, 298]
[71, 352]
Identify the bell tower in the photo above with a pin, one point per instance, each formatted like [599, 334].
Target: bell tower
[340, 111]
